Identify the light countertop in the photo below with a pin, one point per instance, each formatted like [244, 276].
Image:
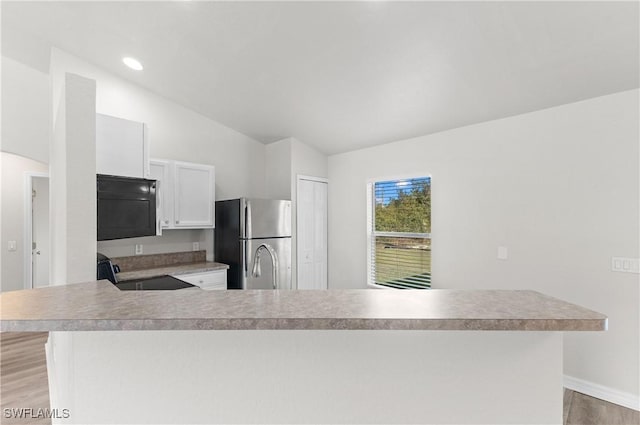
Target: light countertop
[172, 270]
[96, 306]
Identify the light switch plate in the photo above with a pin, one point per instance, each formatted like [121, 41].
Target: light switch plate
[12, 246]
[503, 253]
[625, 264]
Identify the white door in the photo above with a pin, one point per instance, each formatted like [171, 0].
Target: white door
[193, 195]
[311, 239]
[40, 232]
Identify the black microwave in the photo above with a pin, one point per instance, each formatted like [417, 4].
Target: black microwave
[126, 207]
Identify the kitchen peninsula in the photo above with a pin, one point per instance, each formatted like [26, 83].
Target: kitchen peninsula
[348, 356]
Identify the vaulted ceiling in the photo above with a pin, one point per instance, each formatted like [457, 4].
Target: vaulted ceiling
[345, 75]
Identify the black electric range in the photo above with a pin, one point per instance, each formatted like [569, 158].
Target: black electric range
[160, 283]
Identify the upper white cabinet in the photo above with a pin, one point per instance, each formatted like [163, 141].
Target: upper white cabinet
[193, 195]
[121, 147]
[186, 193]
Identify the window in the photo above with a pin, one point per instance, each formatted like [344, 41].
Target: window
[399, 230]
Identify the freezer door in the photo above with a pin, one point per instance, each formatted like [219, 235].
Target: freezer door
[258, 268]
[266, 218]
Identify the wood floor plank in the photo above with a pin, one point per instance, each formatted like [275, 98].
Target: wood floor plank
[23, 375]
[566, 404]
[586, 410]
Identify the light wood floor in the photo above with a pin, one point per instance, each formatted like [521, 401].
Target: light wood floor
[580, 409]
[23, 375]
[23, 384]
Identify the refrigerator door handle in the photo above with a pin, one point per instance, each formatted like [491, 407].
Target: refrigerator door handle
[245, 260]
[247, 220]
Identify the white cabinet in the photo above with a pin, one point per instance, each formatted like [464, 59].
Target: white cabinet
[186, 194]
[121, 147]
[212, 280]
[193, 195]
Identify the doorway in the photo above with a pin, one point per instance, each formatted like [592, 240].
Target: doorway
[311, 234]
[37, 252]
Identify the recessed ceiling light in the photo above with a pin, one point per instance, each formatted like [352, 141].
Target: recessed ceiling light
[133, 63]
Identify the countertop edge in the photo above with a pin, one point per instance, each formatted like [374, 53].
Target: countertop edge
[337, 324]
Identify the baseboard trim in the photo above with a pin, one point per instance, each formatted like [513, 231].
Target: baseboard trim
[604, 393]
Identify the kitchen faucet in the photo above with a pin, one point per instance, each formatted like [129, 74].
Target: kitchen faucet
[256, 271]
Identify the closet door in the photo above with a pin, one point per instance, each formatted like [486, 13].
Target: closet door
[311, 235]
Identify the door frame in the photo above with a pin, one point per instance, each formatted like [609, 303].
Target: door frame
[300, 177]
[28, 225]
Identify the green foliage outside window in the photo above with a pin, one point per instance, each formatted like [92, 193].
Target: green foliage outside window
[403, 210]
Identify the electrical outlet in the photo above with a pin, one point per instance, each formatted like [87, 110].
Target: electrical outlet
[625, 265]
[139, 249]
[503, 253]
[196, 246]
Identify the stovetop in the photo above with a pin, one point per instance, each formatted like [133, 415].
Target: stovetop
[160, 283]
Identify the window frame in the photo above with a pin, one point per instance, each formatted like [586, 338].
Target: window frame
[371, 220]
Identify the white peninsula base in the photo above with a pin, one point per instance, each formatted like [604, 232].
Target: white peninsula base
[307, 376]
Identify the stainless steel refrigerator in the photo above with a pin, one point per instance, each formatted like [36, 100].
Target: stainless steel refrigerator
[253, 236]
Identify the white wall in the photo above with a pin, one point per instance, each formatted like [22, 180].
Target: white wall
[13, 169]
[25, 111]
[278, 170]
[72, 182]
[175, 133]
[558, 187]
[305, 160]
[170, 241]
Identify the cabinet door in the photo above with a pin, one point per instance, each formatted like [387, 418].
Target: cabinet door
[121, 147]
[160, 170]
[208, 280]
[193, 195]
